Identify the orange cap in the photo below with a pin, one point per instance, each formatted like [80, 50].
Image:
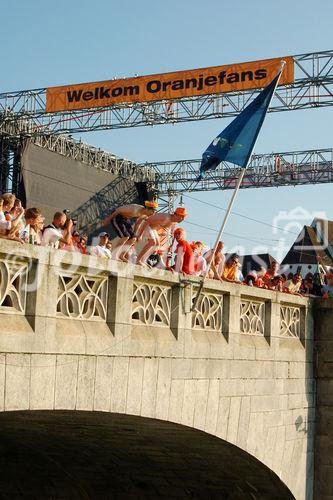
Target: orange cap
[151, 204]
[181, 211]
[179, 230]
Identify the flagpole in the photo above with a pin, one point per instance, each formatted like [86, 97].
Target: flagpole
[229, 208]
[225, 219]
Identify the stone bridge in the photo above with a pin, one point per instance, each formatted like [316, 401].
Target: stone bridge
[111, 388]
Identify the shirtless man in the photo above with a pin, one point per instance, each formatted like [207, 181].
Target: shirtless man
[121, 223]
[149, 228]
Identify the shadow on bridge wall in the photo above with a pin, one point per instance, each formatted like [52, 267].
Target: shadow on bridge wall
[63, 454]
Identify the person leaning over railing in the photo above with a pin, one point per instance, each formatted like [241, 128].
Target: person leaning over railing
[32, 227]
[293, 285]
[230, 271]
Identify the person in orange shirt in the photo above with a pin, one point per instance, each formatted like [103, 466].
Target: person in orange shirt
[184, 254]
[271, 272]
[230, 271]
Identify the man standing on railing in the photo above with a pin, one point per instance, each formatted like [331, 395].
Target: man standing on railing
[120, 220]
[149, 231]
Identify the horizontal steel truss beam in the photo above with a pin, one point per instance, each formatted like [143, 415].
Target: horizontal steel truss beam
[313, 88]
[266, 170]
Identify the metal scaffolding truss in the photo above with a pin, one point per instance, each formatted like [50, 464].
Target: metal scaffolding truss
[10, 165]
[21, 132]
[291, 168]
[85, 153]
[312, 88]
[90, 215]
[176, 177]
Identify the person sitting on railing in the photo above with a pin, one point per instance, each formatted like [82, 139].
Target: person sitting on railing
[148, 232]
[230, 271]
[120, 220]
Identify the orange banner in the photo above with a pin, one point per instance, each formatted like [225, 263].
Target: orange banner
[194, 82]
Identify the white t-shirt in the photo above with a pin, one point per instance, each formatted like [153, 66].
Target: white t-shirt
[4, 224]
[100, 251]
[51, 237]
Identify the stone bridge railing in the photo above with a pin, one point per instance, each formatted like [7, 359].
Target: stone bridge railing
[38, 283]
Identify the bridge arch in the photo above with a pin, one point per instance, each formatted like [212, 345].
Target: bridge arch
[82, 454]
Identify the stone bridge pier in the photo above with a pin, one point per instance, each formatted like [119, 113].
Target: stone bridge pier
[110, 387]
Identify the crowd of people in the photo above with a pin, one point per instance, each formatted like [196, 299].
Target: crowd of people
[151, 239]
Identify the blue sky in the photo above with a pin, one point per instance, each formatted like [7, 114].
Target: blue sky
[55, 43]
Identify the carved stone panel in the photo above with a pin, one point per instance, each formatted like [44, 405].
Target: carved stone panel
[13, 279]
[252, 317]
[208, 313]
[82, 297]
[151, 304]
[290, 321]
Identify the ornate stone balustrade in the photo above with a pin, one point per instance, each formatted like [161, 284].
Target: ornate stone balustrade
[252, 317]
[290, 325]
[151, 304]
[64, 288]
[208, 313]
[82, 297]
[13, 278]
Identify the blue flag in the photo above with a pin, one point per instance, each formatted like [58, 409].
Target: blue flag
[236, 142]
